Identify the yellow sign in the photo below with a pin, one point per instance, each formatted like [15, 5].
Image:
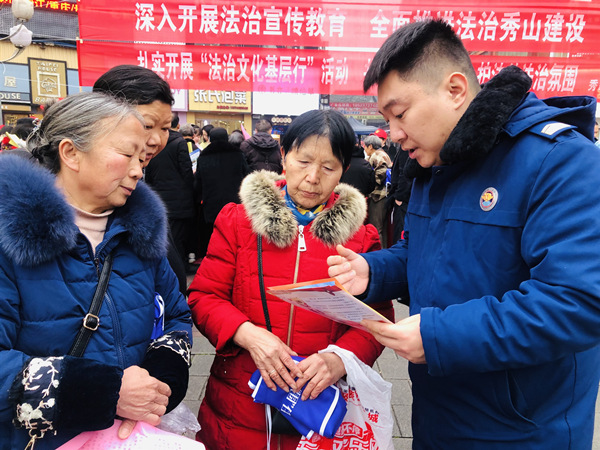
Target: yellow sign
[220, 101]
[48, 80]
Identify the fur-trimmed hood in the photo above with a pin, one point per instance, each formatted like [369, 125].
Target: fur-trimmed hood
[260, 193]
[37, 224]
[501, 98]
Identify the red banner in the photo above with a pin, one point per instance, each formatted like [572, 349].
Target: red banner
[559, 26]
[232, 68]
[307, 71]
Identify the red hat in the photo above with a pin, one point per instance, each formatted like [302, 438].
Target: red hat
[381, 134]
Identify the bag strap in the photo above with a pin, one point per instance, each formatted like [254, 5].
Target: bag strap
[261, 282]
[91, 321]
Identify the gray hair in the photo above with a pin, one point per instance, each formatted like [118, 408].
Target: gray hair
[374, 141]
[187, 130]
[79, 118]
[236, 138]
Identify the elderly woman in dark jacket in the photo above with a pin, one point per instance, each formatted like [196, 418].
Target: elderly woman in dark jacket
[59, 226]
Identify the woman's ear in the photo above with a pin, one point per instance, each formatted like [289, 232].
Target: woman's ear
[69, 155]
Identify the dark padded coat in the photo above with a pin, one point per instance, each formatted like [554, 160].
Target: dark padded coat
[48, 275]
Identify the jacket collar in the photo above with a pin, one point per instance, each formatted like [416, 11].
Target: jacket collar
[219, 147]
[261, 196]
[37, 224]
[477, 130]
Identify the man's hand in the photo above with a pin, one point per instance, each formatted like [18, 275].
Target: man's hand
[350, 269]
[404, 337]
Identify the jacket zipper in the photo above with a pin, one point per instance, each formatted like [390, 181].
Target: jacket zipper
[115, 318]
[117, 330]
[301, 248]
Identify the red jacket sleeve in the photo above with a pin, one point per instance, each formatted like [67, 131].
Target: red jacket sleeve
[210, 294]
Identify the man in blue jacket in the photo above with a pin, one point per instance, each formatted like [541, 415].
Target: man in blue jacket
[501, 256]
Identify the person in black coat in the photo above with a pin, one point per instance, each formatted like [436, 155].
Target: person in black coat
[262, 152]
[399, 194]
[170, 175]
[360, 174]
[219, 174]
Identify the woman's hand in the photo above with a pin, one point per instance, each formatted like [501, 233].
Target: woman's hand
[270, 354]
[350, 269]
[141, 397]
[320, 370]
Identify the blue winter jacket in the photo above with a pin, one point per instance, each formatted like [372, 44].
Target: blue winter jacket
[48, 275]
[501, 259]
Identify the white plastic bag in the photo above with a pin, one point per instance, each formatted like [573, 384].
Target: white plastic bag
[180, 421]
[369, 423]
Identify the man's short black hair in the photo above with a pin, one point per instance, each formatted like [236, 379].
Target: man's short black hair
[23, 127]
[174, 120]
[420, 47]
[137, 85]
[263, 126]
[328, 123]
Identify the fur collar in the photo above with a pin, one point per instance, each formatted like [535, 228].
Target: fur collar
[271, 218]
[37, 224]
[478, 129]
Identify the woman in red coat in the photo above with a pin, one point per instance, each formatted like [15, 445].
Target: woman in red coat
[299, 220]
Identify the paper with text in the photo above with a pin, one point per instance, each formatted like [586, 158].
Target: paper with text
[327, 298]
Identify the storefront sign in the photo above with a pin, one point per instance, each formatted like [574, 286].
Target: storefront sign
[15, 97]
[55, 5]
[48, 80]
[10, 81]
[181, 100]
[283, 103]
[225, 101]
[356, 108]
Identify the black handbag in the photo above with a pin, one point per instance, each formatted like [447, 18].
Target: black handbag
[279, 424]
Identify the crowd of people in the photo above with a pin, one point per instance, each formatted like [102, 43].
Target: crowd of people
[493, 244]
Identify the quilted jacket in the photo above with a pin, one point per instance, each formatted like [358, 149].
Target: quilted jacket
[48, 275]
[225, 293]
[502, 262]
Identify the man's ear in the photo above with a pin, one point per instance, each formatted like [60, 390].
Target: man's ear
[69, 155]
[457, 86]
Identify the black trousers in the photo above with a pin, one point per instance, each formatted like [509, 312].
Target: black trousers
[398, 215]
